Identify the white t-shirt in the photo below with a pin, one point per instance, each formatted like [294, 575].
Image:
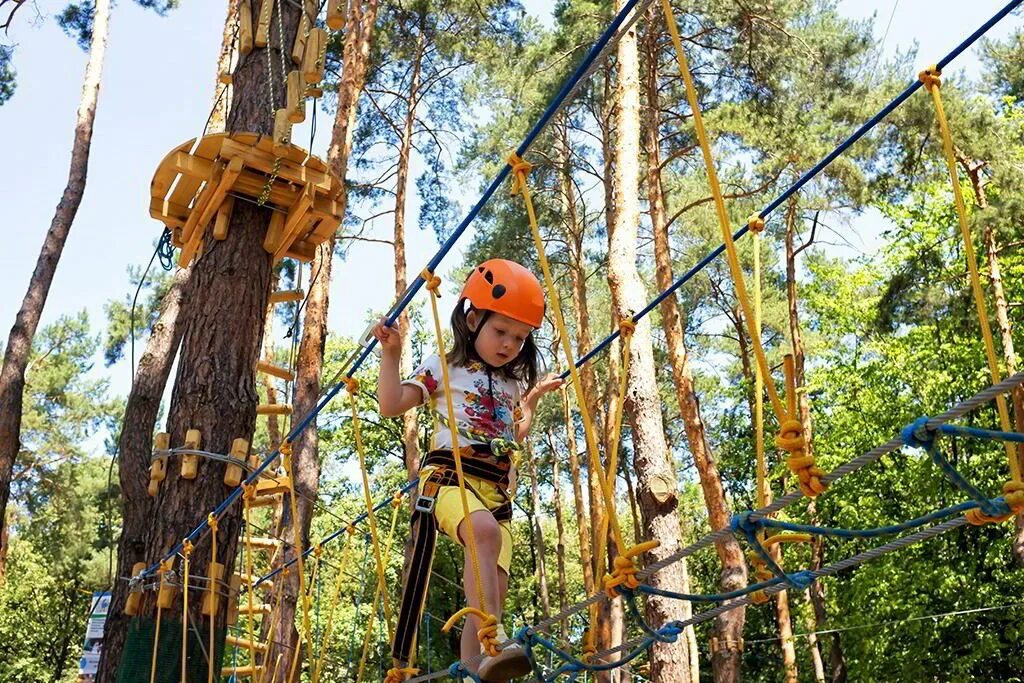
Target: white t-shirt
[486, 403]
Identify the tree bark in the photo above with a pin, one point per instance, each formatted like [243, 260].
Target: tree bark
[134, 447]
[356, 49]
[228, 49]
[656, 481]
[19, 341]
[556, 485]
[812, 643]
[538, 535]
[726, 661]
[215, 387]
[586, 554]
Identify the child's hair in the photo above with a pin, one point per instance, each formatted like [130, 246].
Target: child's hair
[522, 368]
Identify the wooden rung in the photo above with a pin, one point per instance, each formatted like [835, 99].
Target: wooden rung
[264, 543]
[274, 409]
[220, 226]
[242, 671]
[336, 14]
[283, 295]
[266, 367]
[282, 132]
[293, 223]
[245, 28]
[263, 25]
[267, 487]
[224, 77]
[313, 57]
[299, 46]
[296, 103]
[264, 501]
[263, 161]
[190, 463]
[257, 610]
[245, 643]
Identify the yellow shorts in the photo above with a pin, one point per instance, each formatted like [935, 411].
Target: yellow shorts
[480, 495]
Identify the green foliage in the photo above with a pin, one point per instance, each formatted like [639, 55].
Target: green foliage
[8, 76]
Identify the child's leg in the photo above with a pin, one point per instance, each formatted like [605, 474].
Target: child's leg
[487, 536]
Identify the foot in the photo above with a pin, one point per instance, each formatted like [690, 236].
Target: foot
[511, 662]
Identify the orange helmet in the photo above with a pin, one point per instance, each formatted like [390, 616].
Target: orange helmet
[507, 288]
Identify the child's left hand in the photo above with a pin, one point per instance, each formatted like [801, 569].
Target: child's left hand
[545, 386]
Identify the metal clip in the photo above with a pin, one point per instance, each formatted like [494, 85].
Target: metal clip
[425, 504]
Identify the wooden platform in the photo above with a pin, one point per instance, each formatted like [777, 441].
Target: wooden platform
[194, 189]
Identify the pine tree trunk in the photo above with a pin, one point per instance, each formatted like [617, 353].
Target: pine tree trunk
[556, 485]
[273, 424]
[309, 367]
[690, 633]
[228, 49]
[538, 535]
[812, 642]
[215, 387]
[656, 481]
[728, 626]
[582, 524]
[134, 447]
[19, 341]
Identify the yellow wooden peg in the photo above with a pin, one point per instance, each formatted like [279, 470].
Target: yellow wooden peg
[165, 596]
[158, 468]
[282, 133]
[299, 46]
[234, 593]
[190, 463]
[313, 57]
[223, 221]
[336, 14]
[248, 671]
[245, 643]
[268, 368]
[273, 236]
[131, 606]
[274, 409]
[285, 295]
[296, 104]
[233, 473]
[263, 25]
[314, 92]
[211, 601]
[244, 28]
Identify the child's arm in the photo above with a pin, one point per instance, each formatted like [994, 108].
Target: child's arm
[394, 397]
[529, 404]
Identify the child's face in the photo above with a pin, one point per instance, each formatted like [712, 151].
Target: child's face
[500, 339]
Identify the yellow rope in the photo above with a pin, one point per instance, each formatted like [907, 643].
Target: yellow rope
[275, 612]
[370, 517]
[186, 550]
[212, 588]
[520, 169]
[165, 567]
[335, 595]
[396, 503]
[314, 573]
[790, 436]
[762, 467]
[931, 78]
[248, 494]
[289, 470]
[488, 622]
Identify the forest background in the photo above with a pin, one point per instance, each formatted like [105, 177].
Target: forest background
[878, 298]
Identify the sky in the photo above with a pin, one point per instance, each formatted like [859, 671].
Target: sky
[156, 93]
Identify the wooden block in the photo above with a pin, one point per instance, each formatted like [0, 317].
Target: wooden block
[264, 501]
[211, 600]
[171, 215]
[274, 409]
[294, 221]
[245, 643]
[302, 251]
[190, 463]
[131, 605]
[235, 588]
[282, 132]
[245, 38]
[224, 182]
[283, 295]
[223, 222]
[262, 160]
[299, 46]
[185, 163]
[224, 78]
[274, 232]
[314, 91]
[336, 14]
[271, 544]
[296, 103]
[233, 473]
[270, 486]
[314, 56]
[266, 367]
[189, 230]
[263, 24]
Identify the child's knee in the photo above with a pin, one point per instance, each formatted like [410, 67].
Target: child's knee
[486, 531]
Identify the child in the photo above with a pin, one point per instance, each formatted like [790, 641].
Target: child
[492, 370]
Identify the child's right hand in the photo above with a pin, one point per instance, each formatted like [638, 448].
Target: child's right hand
[389, 337]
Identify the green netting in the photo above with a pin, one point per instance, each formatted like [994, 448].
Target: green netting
[138, 652]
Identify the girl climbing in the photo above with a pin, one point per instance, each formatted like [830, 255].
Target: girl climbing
[492, 375]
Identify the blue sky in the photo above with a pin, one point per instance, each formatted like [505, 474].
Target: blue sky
[157, 91]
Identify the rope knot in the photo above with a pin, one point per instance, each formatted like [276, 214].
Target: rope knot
[211, 521]
[745, 522]
[318, 550]
[285, 448]
[520, 169]
[248, 491]
[623, 577]
[398, 674]
[1000, 509]
[396, 500]
[755, 223]
[350, 530]
[917, 435]
[432, 282]
[351, 384]
[187, 547]
[791, 439]
[931, 77]
[627, 326]
[488, 635]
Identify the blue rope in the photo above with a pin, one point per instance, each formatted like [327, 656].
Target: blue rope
[988, 434]
[798, 579]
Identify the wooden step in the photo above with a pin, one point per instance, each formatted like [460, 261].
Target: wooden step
[266, 367]
[264, 543]
[265, 501]
[245, 644]
[267, 486]
[274, 409]
[257, 610]
[285, 295]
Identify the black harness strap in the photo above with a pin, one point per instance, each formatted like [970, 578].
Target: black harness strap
[477, 461]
